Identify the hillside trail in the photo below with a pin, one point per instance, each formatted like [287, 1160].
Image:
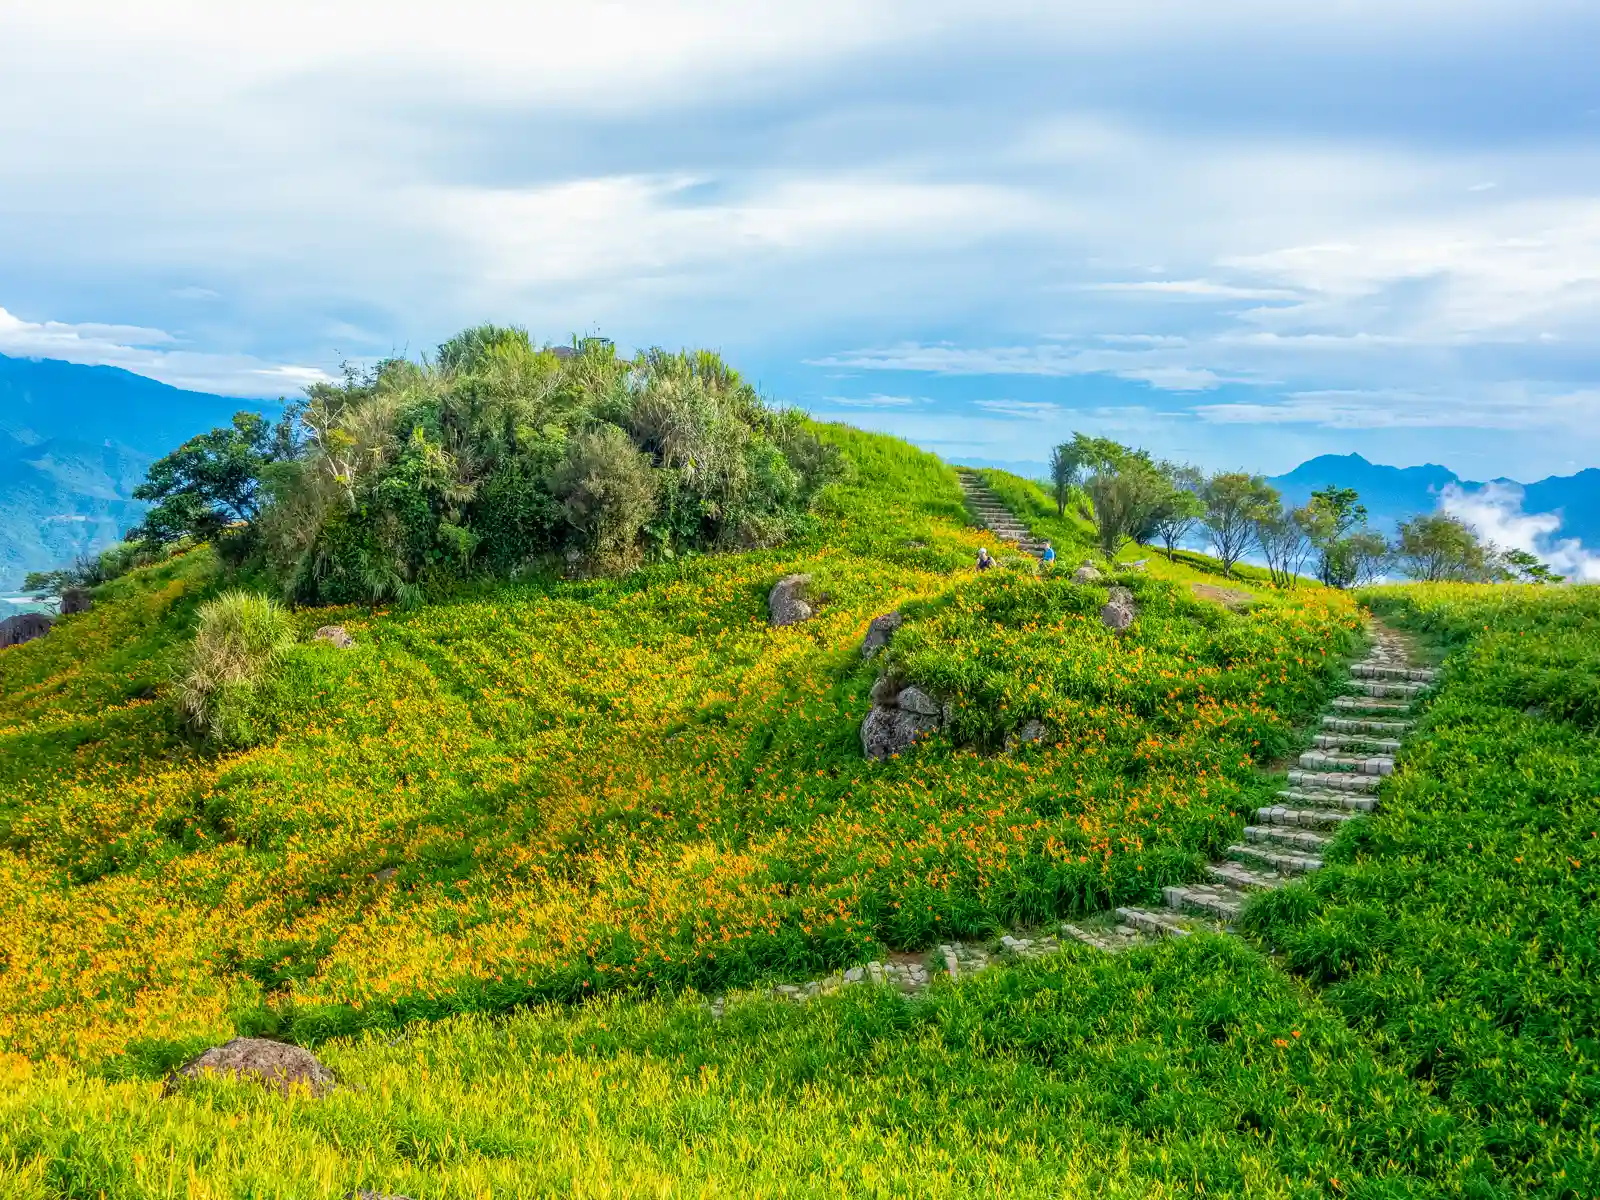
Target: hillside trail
[993, 515]
[1335, 781]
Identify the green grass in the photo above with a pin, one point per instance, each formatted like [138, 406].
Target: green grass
[1184, 1069]
[1459, 931]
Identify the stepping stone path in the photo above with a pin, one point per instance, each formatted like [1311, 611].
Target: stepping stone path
[994, 516]
[1335, 781]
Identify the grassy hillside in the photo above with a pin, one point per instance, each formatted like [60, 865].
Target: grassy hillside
[553, 789]
[635, 793]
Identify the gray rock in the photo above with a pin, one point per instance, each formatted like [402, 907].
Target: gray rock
[786, 604]
[1031, 731]
[1117, 617]
[885, 688]
[24, 627]
[1086, 574]
[889, 731]
[1121, 596]
[75, 600]
[914, 699]
[276, 1065]
[334, 635]
[879, 633]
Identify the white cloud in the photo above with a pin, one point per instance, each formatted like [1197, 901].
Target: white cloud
[876, 400]
[1175, 379]
[1504, 408]
[1202, 289]
[1032, 410]
[130, 347]
[1495, 511]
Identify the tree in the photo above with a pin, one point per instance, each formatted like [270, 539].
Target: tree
[208, 482]
[1524, 567]
[1283, 543]
[1233, 503]
[1358, 559]
[1182, 507]
[1125, 498]
[1329, 520]
[46, 587]
[1071, 462]
[1438, 546]
[1063, 476]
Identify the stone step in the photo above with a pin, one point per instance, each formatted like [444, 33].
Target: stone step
[1111, 940]
[1285, 835]
[1400, 673]
[1156, 924]
[1214, 899]
[1359, 725]
[1322, 760]
[1334, 781]
[1246, 878]
[1287, 861]
[1370, 704]
[1355, 741]
[1316, 798]
[1383, 690]
[1304, 818]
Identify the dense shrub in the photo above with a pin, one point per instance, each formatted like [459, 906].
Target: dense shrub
[240, 636]
[499, 453]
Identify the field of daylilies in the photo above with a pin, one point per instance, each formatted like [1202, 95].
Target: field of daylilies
[490, 861]
[551, 790]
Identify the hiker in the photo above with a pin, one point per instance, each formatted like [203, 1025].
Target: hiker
[984, 561]
[1048, 555]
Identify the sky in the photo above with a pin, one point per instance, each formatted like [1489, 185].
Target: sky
[1241, 233]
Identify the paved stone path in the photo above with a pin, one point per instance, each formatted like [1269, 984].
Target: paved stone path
[994, 516]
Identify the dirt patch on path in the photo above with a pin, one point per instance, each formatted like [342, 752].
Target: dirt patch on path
[1227, 597]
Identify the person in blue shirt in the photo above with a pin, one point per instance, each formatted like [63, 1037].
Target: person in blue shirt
[1048, 555]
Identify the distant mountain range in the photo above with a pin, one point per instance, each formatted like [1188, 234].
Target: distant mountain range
[1392, 494]
[74, 442]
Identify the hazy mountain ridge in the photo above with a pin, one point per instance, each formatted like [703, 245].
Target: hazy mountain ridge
[1392, 494]
[74, 442]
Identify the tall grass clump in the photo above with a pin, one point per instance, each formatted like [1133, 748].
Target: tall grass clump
[240, 635]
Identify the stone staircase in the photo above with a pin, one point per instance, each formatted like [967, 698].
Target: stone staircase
[994, 516]
[1335, 781]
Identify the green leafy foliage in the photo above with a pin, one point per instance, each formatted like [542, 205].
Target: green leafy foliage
[1459, 930]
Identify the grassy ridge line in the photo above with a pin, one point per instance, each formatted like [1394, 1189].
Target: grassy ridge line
[1181, 1068]
[1460, 929]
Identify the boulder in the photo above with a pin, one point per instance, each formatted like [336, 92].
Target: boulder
[1086, 574]
[1122, 596]
[914, 699]
[879, 633]
[75, 600]
[1117, 617]
[786, 604]
[1032, 730]
[885, 688]
[334, 635]
[24, 627]
[888, 731]
[276, 1065]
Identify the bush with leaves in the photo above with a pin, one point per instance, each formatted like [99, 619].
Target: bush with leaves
[240, 635]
